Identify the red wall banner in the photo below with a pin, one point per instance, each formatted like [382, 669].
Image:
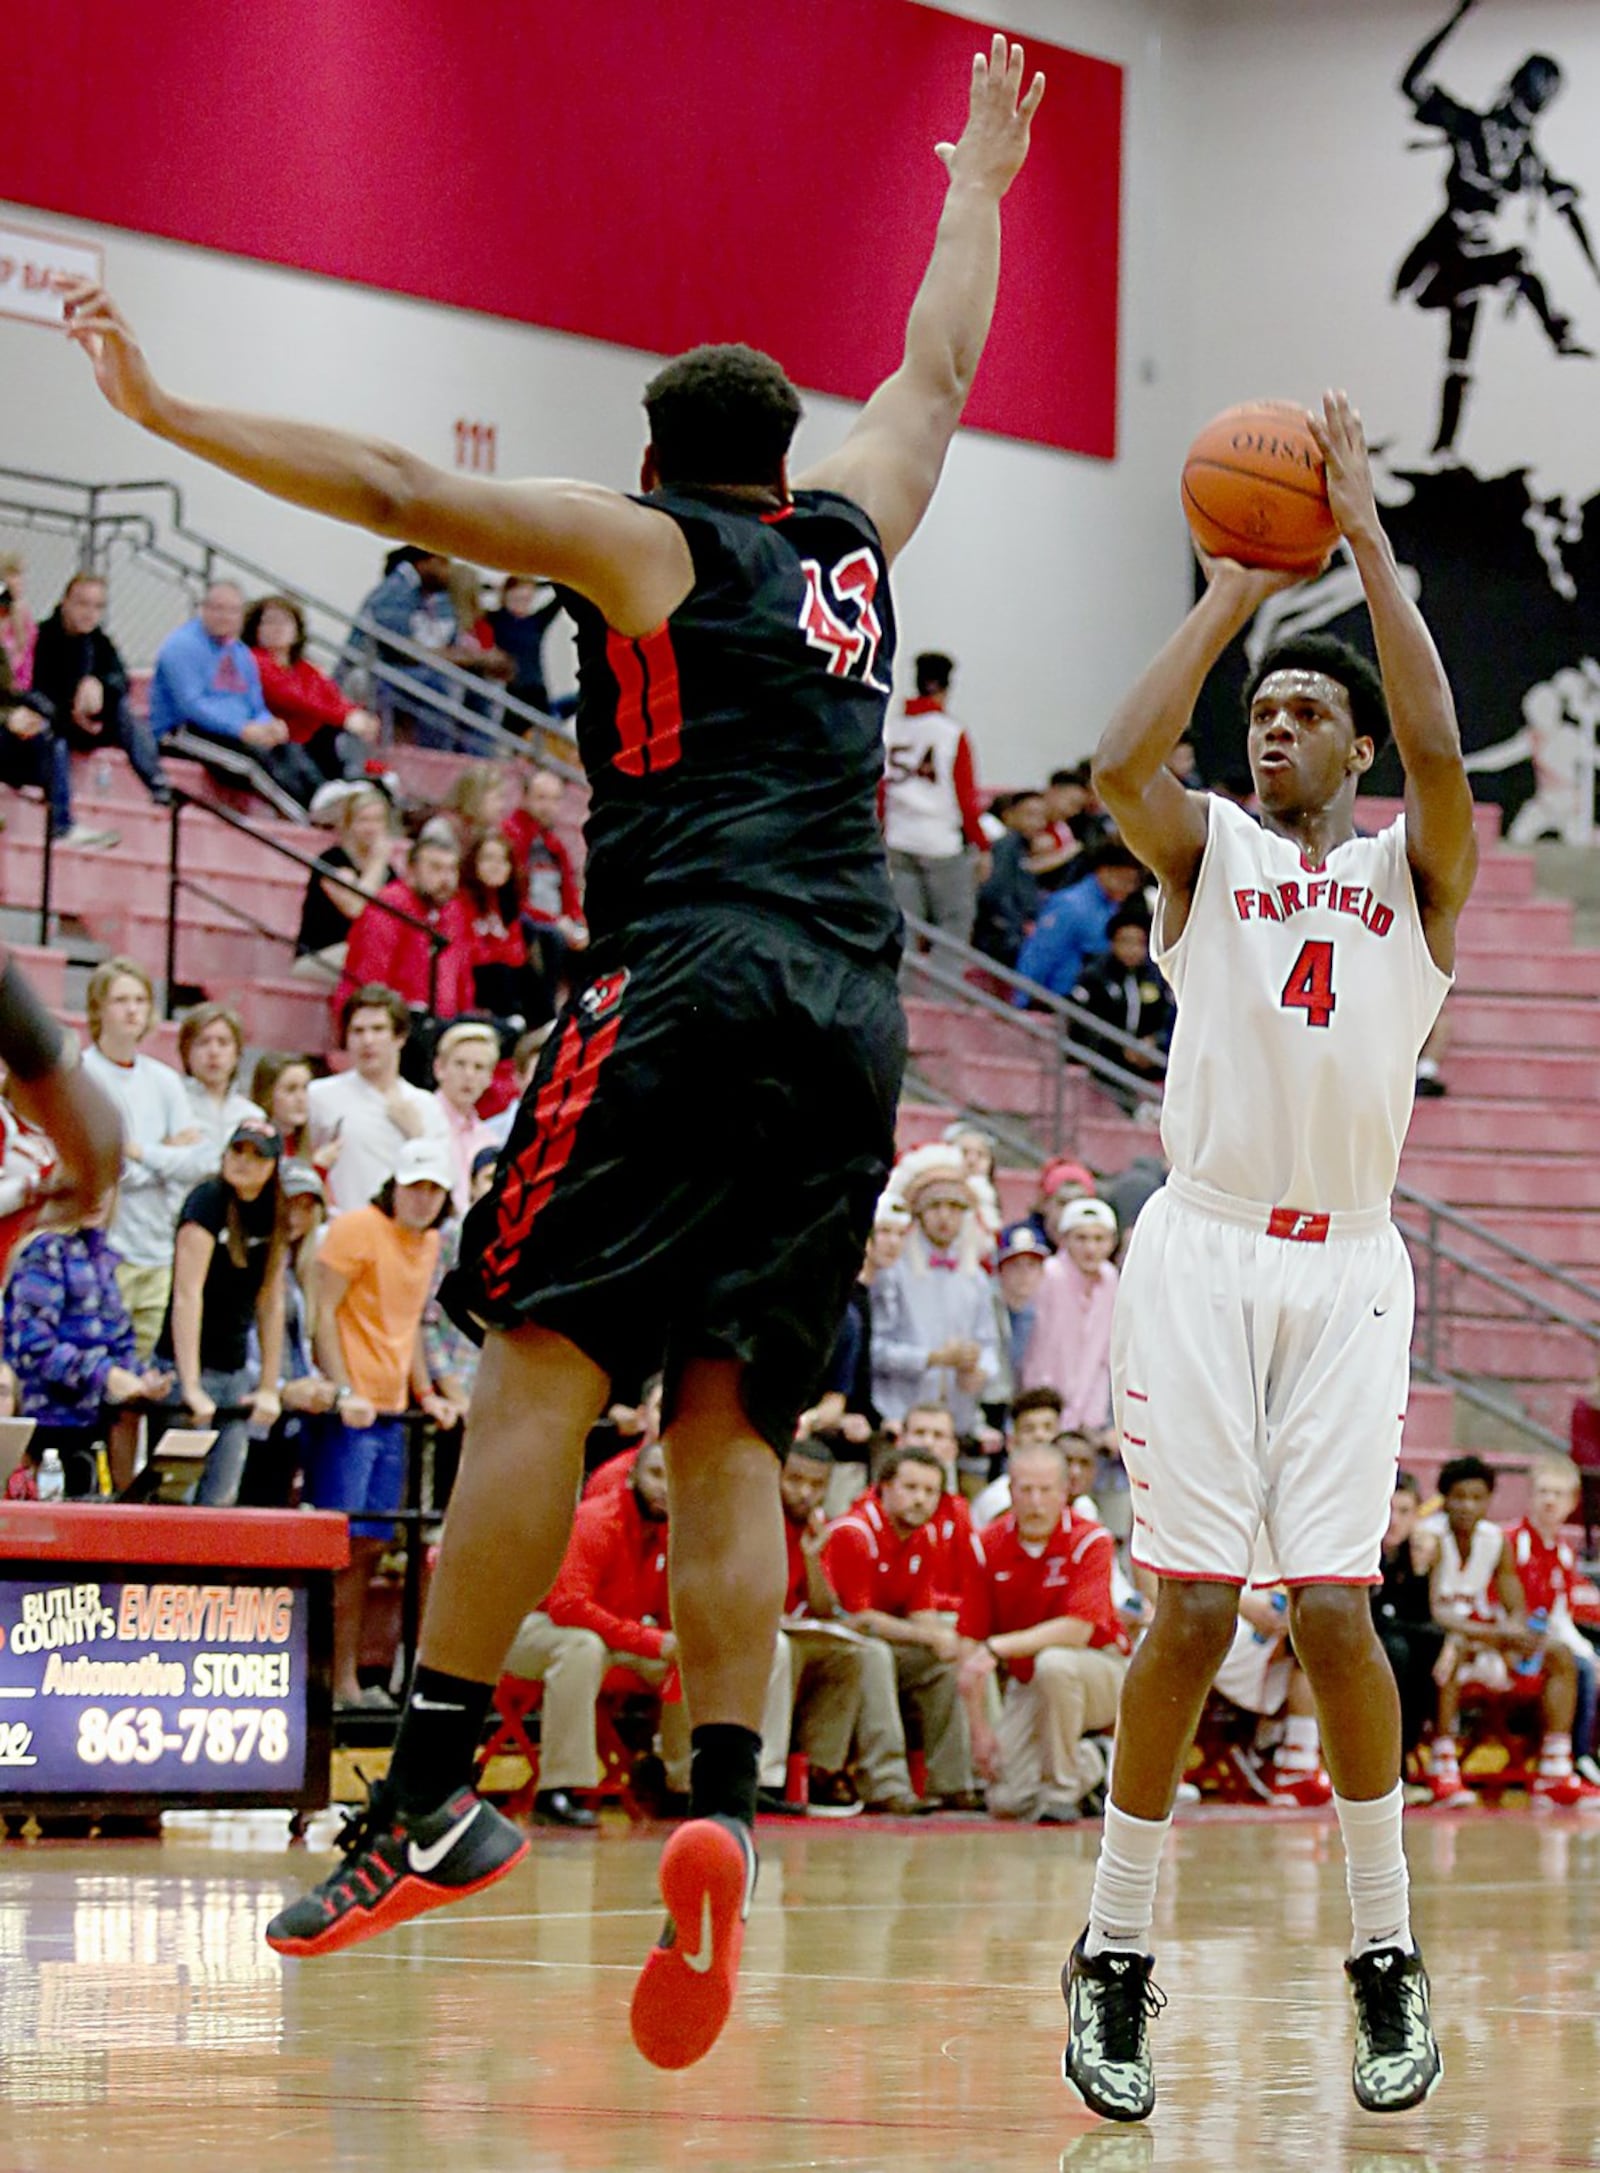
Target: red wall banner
[649, 172]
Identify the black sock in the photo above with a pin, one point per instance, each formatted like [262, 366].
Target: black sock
[438, 1739]
[725, 1766]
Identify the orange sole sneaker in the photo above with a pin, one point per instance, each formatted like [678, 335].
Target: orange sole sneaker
[685, 1991]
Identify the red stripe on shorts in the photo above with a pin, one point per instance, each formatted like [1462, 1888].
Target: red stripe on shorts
[531, 1178]
[627, 668]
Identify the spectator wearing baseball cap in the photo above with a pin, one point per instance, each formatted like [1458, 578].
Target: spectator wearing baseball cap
[303, 1391]
[1071, 1345]
[935, 1338]
[227, 1273]
[371, 1284]
[1019, 1266]
[1059, 1182]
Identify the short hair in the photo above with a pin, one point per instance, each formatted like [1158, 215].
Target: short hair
[1406, 1482]
[1044, 1448]
[809, 1449]
[222, 582]
[374, 996]
[100, 981]
[436, 835]
[722, 414]
[892, 1463]
[1037, 1399]
[1110, 853]
[81, 579]
[1336, 660]
[1562, 1468]
[1461, 1468]
[934, 671]
[1130, 915]
[929, 1406]
[195, 1022]
[258, 611]
[1077, 775]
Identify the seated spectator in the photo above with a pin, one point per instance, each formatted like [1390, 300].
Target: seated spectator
[1010, 900]
[1019, 1268]
[70, 1340]
[334, 732]
[1260, 1675]
[304, 1391]
[550, 886]
[365, 847]
[206, 684]
[33, 753]
[280, 1087]
[1402, 1611]
[369, 1110]
[510, 977]
[1125, 989]
[372, 1279]
[19, 632]
[879, 1564]
[1073, 927]
[1070, 1348]
[948, 1533]
[165, 1151]
[1077, 823]
[1035, 1419]
[932, 814]
[1039, 1613]
[233, 1237]
[517, 627]
[934, 1336]
[413, 600]
[609, 1607]
[391, 948]
[477, 801]
[464, 1060]
[1060, 1183]
[832, 1688]
[79, 671]
[211, 1050]
[1489, 1644]
[1547, 1570]
[524, 1063]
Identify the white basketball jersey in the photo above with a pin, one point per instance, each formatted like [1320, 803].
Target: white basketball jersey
[1304, 996]
[921, 813]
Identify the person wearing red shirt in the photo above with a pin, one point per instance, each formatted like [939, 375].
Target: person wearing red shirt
[1040, 1610]
[394, 952]
[554, 898]
[607, 1608]
[1548, 1571]
[333, 730]
[880, 1563]
[949, 1534]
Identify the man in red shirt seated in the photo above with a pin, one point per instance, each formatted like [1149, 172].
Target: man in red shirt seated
[949, 1535]
[880, 1563]
[394, 951]
[1548, 1571]
[1039, 1611]
[607, 1608]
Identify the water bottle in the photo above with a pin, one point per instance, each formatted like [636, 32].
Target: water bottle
[52, 1479]
[1531, 1662]
[1280, 1606]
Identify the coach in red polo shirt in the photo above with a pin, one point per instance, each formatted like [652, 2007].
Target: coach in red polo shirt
[1040, 1610]
[880, 1562]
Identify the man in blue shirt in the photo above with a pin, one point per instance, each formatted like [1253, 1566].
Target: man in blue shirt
[413, 600]
[206, 683]
[1073, 926]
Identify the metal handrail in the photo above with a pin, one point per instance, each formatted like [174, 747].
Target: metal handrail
[177, 881]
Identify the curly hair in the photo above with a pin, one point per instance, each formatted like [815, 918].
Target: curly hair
[721, 415]
[1333, 659]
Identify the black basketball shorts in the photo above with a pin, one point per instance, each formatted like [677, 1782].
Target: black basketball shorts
[695, 1165]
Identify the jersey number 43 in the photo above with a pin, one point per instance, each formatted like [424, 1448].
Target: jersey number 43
[839, 617]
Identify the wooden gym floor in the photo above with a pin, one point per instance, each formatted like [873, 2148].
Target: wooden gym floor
[899, 2009]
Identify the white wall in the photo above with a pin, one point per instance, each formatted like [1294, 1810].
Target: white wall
[1048, 576]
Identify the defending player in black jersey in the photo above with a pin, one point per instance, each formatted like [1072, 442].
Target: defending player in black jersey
[691, 1178]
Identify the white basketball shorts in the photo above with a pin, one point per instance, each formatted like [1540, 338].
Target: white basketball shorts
[1260, 1387]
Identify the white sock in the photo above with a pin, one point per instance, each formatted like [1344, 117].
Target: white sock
[1555, 1759]
[1301, 1749]
[1123, 1907]
[1375, 1871]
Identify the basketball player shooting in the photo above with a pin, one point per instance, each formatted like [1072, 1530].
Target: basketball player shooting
[692, 1176]
[1263, 1325]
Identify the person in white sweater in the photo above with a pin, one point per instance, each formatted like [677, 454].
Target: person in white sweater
[164, 1151]
[370, 1109]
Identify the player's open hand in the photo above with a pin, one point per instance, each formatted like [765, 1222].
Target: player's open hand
[1343, 445]
[95, 324]
[994, 142]
[1249, 586]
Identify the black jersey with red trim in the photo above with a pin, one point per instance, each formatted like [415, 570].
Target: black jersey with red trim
[734, 755]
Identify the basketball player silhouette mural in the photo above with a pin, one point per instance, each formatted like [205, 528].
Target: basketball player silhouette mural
[1462, 258]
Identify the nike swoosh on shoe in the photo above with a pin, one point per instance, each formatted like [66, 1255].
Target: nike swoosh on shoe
[423, 1861]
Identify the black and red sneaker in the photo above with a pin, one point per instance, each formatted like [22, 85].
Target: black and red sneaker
[685, 1991]
[398, 1865]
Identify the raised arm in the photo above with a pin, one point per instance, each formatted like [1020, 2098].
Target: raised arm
[1414, 83]
[629, 561]
[891, 461]
[1158, 819]
[1441, 840]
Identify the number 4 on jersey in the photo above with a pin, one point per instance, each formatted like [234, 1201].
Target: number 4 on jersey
[1309, 987]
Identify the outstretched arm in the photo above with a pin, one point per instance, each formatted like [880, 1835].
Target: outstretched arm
[891, 461]
[1441, 841]
[1414, 83]
[1158, 819]
[629, 561]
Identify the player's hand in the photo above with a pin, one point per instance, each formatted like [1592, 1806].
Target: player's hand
[95, 324]
[1343, 445]
[1248, 587]
[994, 142]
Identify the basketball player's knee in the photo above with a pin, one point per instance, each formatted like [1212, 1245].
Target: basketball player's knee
[1196, 1622]
[1331, 1628]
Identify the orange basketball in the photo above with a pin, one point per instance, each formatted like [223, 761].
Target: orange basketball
[1254, 488]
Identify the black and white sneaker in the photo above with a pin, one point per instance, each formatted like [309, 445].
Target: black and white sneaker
[1110, 2005]
[1397, 2061]
[397, 1865]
